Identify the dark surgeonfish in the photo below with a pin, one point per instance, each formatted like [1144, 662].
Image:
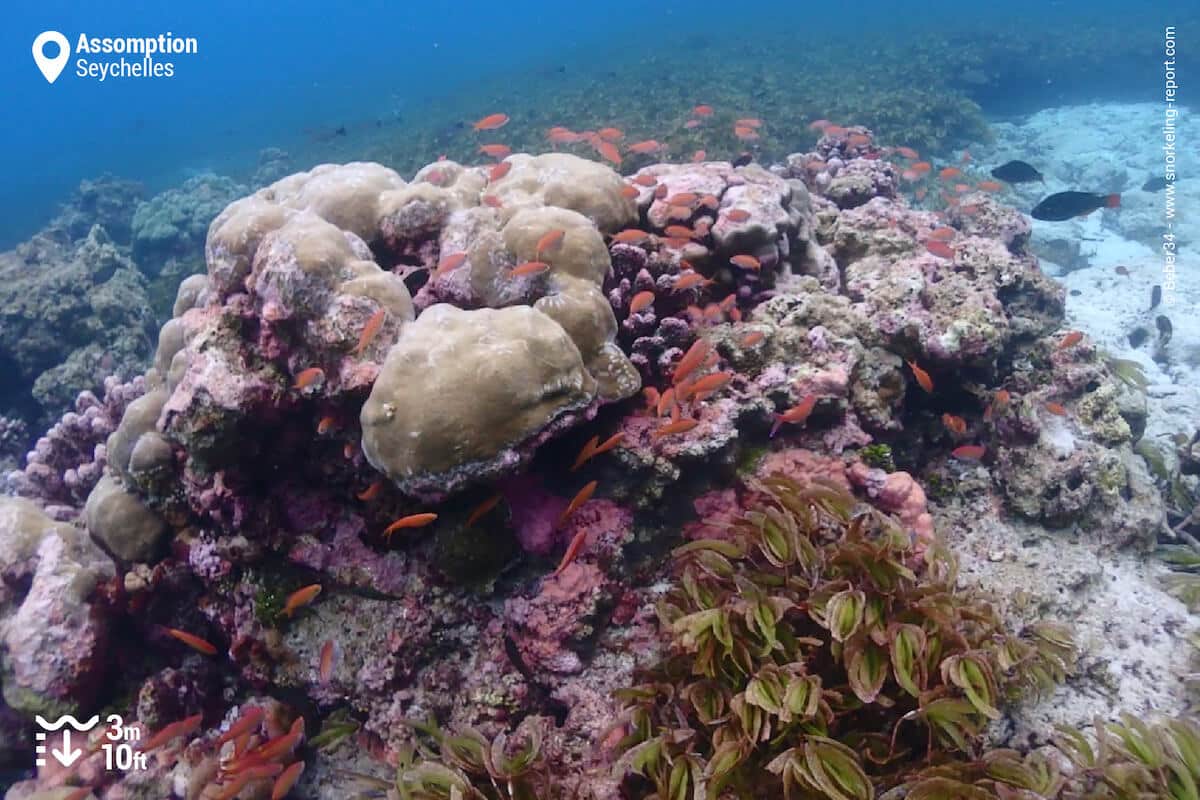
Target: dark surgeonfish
[1017, 172]
[1065, 205]
[1155, 184]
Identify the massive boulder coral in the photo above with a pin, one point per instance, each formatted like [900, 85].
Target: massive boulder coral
[54, 641]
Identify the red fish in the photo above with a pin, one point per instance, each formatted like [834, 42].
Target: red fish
[683, 199]
[629, 192]
[370, 330]
[939, 249]
[183, 727]
[589, 450]
[499, 171]
[908, 152]
[923, 379]
[286, 780]
[794, 415]
[703, 111]
[746, 262]
[943, 234]
[300, 598]
[371, 492]
[677, 426]
[581, 497]
[609, 152]
[326, 425]
[450, 262]
[699, 156]
[644, 179]
[692, 359]
[572, 551]
[749, 122]
[410, 521]
[483, 508]
[308, 377]
[611, 443]
[1056, 408]
[550, 241]
[648, 147]
[744, 133]
[640, 301]
[969, 452]
[921, 167]
[325, 662]
[529, 268]
[752, 338]
[687, 280]
[192, 641]
[666, 402]
[631, 236]
[248, 721]
[954, 424]
[949, 173]
[1070, 340]
[712, 383]
[495, 150]
[491, 122]
[611, 134]
[679, 232]
[737, 215]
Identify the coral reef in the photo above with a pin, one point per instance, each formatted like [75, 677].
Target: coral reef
[389, 466]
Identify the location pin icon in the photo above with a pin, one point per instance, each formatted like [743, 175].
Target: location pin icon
[51, 67]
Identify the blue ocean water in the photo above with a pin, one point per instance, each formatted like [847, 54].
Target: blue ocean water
[276, 74]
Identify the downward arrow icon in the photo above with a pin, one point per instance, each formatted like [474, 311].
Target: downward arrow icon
[66, 756]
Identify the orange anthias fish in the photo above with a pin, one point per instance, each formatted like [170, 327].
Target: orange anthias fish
[645, 179]
[969, 452]
[949, 173]
[630, 236]
[921, 167]
[640, 301]
[609, 152]
[326, 425]
[192, 641]
[674, 427]
[589, 449]
[1070, 340]
[745, 133]
[572, 551]
[796, 414]
[248, 721]
[183, 727]
[692, 359]
[308, 377]
[679, 232]
[647, 147]
[491, 122]
[703, 111]
[699, 156]
[746, 262]
[286, 780]
[939, 249]
[611, 443]
[371, 492]
[908, 152]
[611, 134]
[752, 338]
[666, 402]
[629, 192]
[923, 379]
[483, 508]
[325, 664]
[529, 268]
[410, 521]
[370, 330]
[943, 234]
[300, 598]
[550, 241]
[499, 171]
[581, 497]
[683, 199]
[712, 383]
[954, 424]
[989, 186]
[495, 150]
[449, 262]
[687, 280]
[737, 215]
[1056, 408]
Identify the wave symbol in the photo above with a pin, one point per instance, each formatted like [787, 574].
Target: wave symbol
[65, 719]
